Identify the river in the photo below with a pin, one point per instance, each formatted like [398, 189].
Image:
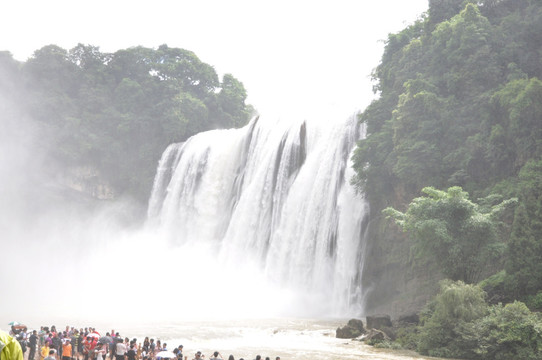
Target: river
[299, 339]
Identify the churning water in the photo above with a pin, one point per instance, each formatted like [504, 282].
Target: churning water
[273, 200]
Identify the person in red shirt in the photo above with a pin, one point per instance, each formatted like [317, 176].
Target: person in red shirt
[87, 343]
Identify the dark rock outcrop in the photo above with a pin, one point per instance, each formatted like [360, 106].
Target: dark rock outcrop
[376, 335]
[378, 322]
[351, 330]
[411, 319]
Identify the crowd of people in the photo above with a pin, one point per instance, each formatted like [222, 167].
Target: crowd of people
[87, 344]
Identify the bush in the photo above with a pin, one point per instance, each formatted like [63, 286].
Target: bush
[459, 323]
[497, 289]
[535, 301]
[446, 330]
[408, 336]
[510, 332]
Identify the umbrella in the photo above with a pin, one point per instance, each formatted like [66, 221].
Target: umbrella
[105, 340]
[94, 335]
[166, 355]
[14, 323]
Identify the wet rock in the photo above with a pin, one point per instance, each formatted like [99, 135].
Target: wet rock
[351, 330]
[376, 335]
[411, 319]
[378, 322]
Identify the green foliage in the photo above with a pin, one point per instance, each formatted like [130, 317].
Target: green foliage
[453, 231]
[525, 247]
[408, 337]
[458, 100]
[117, 112]
[535, 301]
[445, 330]
[458, 323]
[384, 344]
[460, 105]
[509, 332]
[519, 105]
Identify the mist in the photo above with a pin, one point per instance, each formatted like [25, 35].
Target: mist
[71, 258]
[255, 222]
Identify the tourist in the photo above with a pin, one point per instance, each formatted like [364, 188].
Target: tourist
[80, 344]
[158, 346]
[100, 351]
[152, 346]
[113, 345]
[120, 349]
[106, 340]
[51, 355]
[179, 352]
[198, 355]
[75, 339]
[144, 354]
[67, 349]
[215, 356]
[57, 344]
[126, 344]
[87, 347]
[44, 352]
[32, 343]
[49, 341]
[131, 354]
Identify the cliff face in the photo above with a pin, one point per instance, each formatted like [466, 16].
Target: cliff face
[394, 285]
[87, 181]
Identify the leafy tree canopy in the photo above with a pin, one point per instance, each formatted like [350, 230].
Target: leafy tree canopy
[452, 231]
[118, 111]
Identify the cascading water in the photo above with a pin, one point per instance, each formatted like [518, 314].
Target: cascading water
[274, 195]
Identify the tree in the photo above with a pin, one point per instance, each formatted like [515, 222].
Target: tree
[452, 231]
[525, 247]
[459, 323]
[508, 332]
[230, 108]
[117, 112]
[446, 330]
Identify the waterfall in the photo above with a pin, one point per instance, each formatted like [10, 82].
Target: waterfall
[274, 194]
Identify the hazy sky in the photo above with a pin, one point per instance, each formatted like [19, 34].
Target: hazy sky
[296, 58]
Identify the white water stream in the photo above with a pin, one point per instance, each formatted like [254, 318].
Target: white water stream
[275, 198]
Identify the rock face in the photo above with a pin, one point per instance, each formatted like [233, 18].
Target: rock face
[401, 289]
[87, 180]
[378, 322]
[409, 319]
[376, 335]
[352, 329]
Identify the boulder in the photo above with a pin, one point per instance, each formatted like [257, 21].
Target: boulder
[376, 335]
[356, 324]
[411, 319]
[351, 330]
[378, 322]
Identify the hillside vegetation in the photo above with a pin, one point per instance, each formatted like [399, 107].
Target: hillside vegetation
[459, 109]
[117, 112]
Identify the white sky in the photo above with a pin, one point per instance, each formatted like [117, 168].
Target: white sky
[296, 58]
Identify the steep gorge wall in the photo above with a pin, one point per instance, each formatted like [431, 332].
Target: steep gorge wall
[394, 285]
